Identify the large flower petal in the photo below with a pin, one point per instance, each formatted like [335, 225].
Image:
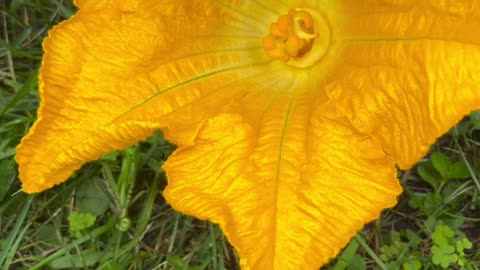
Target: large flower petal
[409, 72]
[281, 182]
[261, 143]
[454, 20]
[408, 93]
[115, 66]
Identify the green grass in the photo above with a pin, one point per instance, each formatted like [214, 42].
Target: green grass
[111, 213]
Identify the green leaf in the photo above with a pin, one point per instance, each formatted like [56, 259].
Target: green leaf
[347, 256]
[388, 252]
[357, 263]
[475, 119]
[429, 174]
[412, 264]
[442, 235]
[458, 170]
[432, 203]
[29, 85]
[79, 222]
[463, 244]
[395, 236]
[47, 234]
[179, 264]
[91, 198]
[111, 156]
[7, 176]
[443, 255]
[466, 243]
[414, 238]
[87, 258]
[111, 265]
[400, 245]
[441, 163]
[453, 223]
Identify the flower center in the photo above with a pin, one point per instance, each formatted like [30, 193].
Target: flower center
[300, 38]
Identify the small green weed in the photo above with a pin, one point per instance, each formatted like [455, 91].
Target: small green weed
[439, 169]
[400, 249]
[449, 248]
[79, 223]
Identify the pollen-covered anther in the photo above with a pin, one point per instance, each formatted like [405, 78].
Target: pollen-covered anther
[299, 38]
[281, 27]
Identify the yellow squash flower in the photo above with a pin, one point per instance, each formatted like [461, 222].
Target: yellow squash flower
[289, 116]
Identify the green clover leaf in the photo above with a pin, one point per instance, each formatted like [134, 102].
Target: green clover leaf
[79, 222]
[442, 234]
[443, 255]
[463, 244]
[412, 264]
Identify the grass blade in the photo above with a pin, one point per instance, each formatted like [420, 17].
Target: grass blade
[6, 256]
[370, 252]
[94, 234]
[29, 85]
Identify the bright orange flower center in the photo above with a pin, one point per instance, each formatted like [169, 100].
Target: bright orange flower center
[300, 38]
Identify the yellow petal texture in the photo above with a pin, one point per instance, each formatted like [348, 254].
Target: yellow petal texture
[409, 72]
[290, 162]
[106, 72]
[411, 19]
[287, 197]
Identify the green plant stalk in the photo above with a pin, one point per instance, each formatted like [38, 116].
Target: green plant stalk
[370, 252]
[122, 191]
[118, 239]
[460, 217]
[15, 246]
[147, 211]
[214, 246]
[6, 256]
[174, 232]
[128, 174]
[472, 173]
[142, 224]
[82, 257]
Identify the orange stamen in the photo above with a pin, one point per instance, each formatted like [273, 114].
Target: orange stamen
[290, 35]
